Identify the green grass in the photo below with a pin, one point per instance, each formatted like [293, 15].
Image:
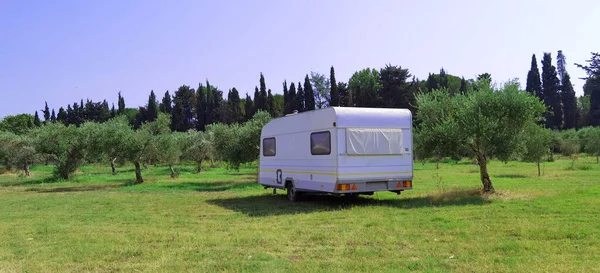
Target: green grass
[223, 221]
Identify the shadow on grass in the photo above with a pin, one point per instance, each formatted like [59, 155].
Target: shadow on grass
[76, 189]
[510, 176]
[272, 205]
[30, 181]
[211, 187]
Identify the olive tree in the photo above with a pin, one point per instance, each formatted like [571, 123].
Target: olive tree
[590, 141]
[17, 150]
[66, 144]
[488, 121]
[198, 146]
[441, 140]
[237, 144]
[113, 134]
[536, 144]
[136, 145]
[166, 148]
[569, 145]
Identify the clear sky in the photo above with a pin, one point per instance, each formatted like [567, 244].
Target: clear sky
[66, 50]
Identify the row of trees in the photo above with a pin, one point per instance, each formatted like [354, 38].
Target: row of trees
[116, 141]
[505, 123]
[454, 116]
[195, 108]
[391, 86]
[563, 109]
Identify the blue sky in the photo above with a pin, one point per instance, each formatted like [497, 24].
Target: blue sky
[63, 51]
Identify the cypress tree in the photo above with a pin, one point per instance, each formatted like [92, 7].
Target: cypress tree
[334, 94]
[309, 95]
[36, 120]
[257, 100]
[443, 79]
[550, 89]
[69, 116]
[166, 105]
[105, 112]
[569, 102]
[53, 116]
[286, 99]
[62, 116]
[46, 113]
[248, 107]
[270, 108]
[87, 111]
[300, 99]
[217, 103]
[210, 104]
[233, 106]
[113, 113]
[593, 89]
[432, 83]
[263, 93]
[561, 65]
[140, 117]
[293, 103]
[121, 104]
[74, 117]
[463, 86]
[152, 108]
[534, 84]
[200, 107]
[81, 112]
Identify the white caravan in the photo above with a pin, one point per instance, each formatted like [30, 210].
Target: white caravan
[339, 150]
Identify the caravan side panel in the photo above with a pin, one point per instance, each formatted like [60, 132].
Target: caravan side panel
[294, 160]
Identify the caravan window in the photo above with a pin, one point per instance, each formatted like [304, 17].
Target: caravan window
[320, 143]
[269, 146]
[373, 141]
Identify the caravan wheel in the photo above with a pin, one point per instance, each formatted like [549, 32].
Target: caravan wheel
[292, 193]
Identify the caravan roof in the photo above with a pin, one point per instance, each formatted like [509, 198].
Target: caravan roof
[343, 117]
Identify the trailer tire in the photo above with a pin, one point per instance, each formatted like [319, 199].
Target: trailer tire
[292, 193]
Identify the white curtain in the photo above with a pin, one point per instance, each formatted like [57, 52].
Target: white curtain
[373, 141]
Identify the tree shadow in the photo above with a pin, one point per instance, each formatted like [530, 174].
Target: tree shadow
[510, 176]
[211, 186]
[272, 205]
[76, 189]
[30, 181]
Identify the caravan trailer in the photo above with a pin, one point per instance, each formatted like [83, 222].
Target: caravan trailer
[338, 150]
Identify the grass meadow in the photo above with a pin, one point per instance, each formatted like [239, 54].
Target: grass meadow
[222, 220]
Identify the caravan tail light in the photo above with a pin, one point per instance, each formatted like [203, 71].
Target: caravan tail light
[343, 187]
[407, 184]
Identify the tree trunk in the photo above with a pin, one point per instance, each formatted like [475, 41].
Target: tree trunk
[485, 177]
[538, 165]
[172, 171]
[597, 159]
[112, 166]
[145, 166]
[138, 173]
[26, 168]
[199, 166]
